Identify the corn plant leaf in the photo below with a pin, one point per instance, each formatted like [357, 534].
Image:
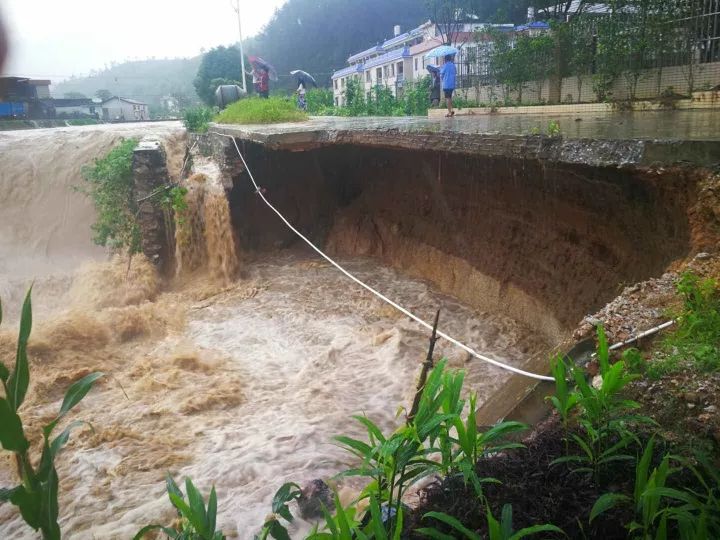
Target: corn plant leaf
[20, 378]
[29, 504]
[605, 502]
[12, 437]
[172, 533]
[78, 390]
[49, 507]
[62, 439]
[642, 469]
[529, 531]
[372, 428]
[454, 523]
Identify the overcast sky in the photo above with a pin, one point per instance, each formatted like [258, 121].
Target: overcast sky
[56, 39]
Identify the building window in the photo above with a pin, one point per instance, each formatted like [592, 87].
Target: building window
[416, 64]
[335, 83]
[342, 82]
[392, 69]
[378, 74]
[367, 76]
[400, 68]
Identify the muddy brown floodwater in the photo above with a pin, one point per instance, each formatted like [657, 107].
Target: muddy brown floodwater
[239, 383]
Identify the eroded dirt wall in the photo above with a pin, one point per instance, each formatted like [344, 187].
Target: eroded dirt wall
[544, 243]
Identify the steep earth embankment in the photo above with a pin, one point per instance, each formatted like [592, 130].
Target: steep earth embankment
[543, 242]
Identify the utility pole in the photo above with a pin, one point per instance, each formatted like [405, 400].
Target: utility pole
[236, 6]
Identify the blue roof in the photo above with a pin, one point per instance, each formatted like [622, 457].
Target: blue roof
[401, 38]
[388, 57]
[348, 71]
[359, 56]
[539, 24]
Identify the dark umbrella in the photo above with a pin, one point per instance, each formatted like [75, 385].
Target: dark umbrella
[432, 69]
[259, 62]
[304, 77]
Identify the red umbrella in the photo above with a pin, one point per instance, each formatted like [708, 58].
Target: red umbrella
[256, 61]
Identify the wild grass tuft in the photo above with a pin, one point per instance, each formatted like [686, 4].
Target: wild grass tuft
[261, 111]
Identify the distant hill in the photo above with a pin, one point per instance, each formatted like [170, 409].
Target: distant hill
[144, 80]
[319, 35]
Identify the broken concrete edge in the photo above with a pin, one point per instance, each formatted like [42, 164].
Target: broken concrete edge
[149, 169]
[590, 152]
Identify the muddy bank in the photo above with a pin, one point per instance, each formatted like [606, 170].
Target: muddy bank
[542, 242]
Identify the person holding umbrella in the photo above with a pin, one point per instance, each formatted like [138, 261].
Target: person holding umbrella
[447, 74]
[303, 78]
[434, 85]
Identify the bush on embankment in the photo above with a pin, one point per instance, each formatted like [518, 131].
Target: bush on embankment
[261, 111]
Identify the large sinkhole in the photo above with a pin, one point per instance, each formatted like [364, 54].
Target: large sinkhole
[542, 242]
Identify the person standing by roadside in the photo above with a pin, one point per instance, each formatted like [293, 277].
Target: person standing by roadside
[435, 88]
[301, 103]
[264, 83]
[447, 74]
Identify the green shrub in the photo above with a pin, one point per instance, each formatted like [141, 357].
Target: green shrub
[261, 111]
[197, 119]
[109, 183]
[37, 495]
[695, 343]
[318, 100]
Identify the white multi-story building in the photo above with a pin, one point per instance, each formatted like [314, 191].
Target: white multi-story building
[401, 59]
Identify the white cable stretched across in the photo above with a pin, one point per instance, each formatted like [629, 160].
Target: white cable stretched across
[373, 291]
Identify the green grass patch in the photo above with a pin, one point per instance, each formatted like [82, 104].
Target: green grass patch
[695, 344]
[261, 111]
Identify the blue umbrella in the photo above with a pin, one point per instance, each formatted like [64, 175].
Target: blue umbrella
[442, 50]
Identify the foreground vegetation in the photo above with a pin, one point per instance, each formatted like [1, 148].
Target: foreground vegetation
[598, 468]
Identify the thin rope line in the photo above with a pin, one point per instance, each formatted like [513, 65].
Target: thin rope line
[384, 298]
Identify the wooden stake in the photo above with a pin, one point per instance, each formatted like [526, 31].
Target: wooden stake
[427, 366]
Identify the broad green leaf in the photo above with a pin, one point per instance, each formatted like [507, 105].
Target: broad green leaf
[12, 437]
[506, 521]
[277, 531]
[197, 504]
[284, 495]
[398, 523]
[642, 469]
[212, 511]
[454, 523]
[20, 378]
[605, 502]
[376, 522]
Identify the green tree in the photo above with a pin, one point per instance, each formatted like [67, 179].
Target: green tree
[220, 65]
[103, 94]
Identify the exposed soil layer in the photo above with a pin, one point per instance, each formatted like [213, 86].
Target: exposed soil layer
[543, 242]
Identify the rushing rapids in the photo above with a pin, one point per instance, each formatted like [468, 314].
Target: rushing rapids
[236, 374]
